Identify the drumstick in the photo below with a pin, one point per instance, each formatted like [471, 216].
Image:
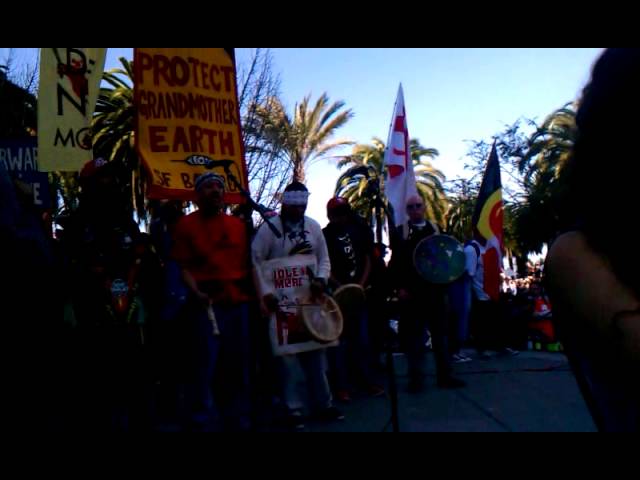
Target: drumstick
[214, 322]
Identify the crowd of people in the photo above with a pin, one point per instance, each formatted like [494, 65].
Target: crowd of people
[125, 330]
[133, 313]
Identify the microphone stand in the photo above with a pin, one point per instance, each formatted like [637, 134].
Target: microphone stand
[374, 190]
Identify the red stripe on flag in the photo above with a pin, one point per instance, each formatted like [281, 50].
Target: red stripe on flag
[395, 170]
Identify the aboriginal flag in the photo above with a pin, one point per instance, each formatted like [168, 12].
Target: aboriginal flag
[487, 220]
[487, 216]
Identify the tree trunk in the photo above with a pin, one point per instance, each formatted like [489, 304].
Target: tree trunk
[298, 172]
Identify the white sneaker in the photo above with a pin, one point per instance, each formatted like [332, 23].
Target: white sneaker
[459, 358]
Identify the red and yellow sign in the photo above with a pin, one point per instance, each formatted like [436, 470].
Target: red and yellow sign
[188, 119]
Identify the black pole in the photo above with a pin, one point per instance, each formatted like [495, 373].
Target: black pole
[391, 374]
[393, 388]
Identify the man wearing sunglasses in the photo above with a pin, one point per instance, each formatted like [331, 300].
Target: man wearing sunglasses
[423, 304]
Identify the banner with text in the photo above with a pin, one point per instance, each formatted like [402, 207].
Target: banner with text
[20, 159]
[291, 284]
[69, 86]
[188, 119]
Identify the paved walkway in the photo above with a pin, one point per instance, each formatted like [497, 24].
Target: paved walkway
[534, 391]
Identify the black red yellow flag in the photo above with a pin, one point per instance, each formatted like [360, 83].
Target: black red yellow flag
[488, 213]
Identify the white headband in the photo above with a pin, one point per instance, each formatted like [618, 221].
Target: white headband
[298, 198]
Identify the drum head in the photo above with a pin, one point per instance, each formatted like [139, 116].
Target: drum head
[322, 319]
[439, 259]
[349, 297]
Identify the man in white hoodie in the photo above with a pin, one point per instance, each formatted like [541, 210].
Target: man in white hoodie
[300, 235]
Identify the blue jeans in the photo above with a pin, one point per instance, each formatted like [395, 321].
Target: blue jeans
[175, 291]
[218, 390]
[460, 308]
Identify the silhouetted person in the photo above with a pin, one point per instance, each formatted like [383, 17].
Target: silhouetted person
[593, 270]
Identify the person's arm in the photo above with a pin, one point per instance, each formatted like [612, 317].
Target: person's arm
[367, 245]
[366, 271]
[321, 251]
[582, 284]
[183, 256]
[471, 260]
[626, 327]
[260, 253]
[268, 302]
[319, 280]
[193, 286]
[333, 281]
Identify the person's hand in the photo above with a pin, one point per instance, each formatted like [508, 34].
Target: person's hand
[270, 302]
[318, 286]
[264, 311]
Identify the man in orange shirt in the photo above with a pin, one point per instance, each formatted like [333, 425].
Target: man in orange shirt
[213, 251]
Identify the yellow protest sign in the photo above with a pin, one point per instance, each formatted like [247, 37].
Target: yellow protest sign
[69, 87]
[188, 119]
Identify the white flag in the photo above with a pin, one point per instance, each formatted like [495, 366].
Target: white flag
[400, 182]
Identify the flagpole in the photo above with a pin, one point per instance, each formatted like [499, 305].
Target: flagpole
[393, 387]
[392, 216]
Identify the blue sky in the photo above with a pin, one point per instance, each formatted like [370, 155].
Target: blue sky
[451, 95]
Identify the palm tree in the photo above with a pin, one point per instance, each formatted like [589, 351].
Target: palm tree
[113, 130]
[551, 145]
[537, 217]
[306, 136]
[429, 181]
[462, 197]
[365, 176]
